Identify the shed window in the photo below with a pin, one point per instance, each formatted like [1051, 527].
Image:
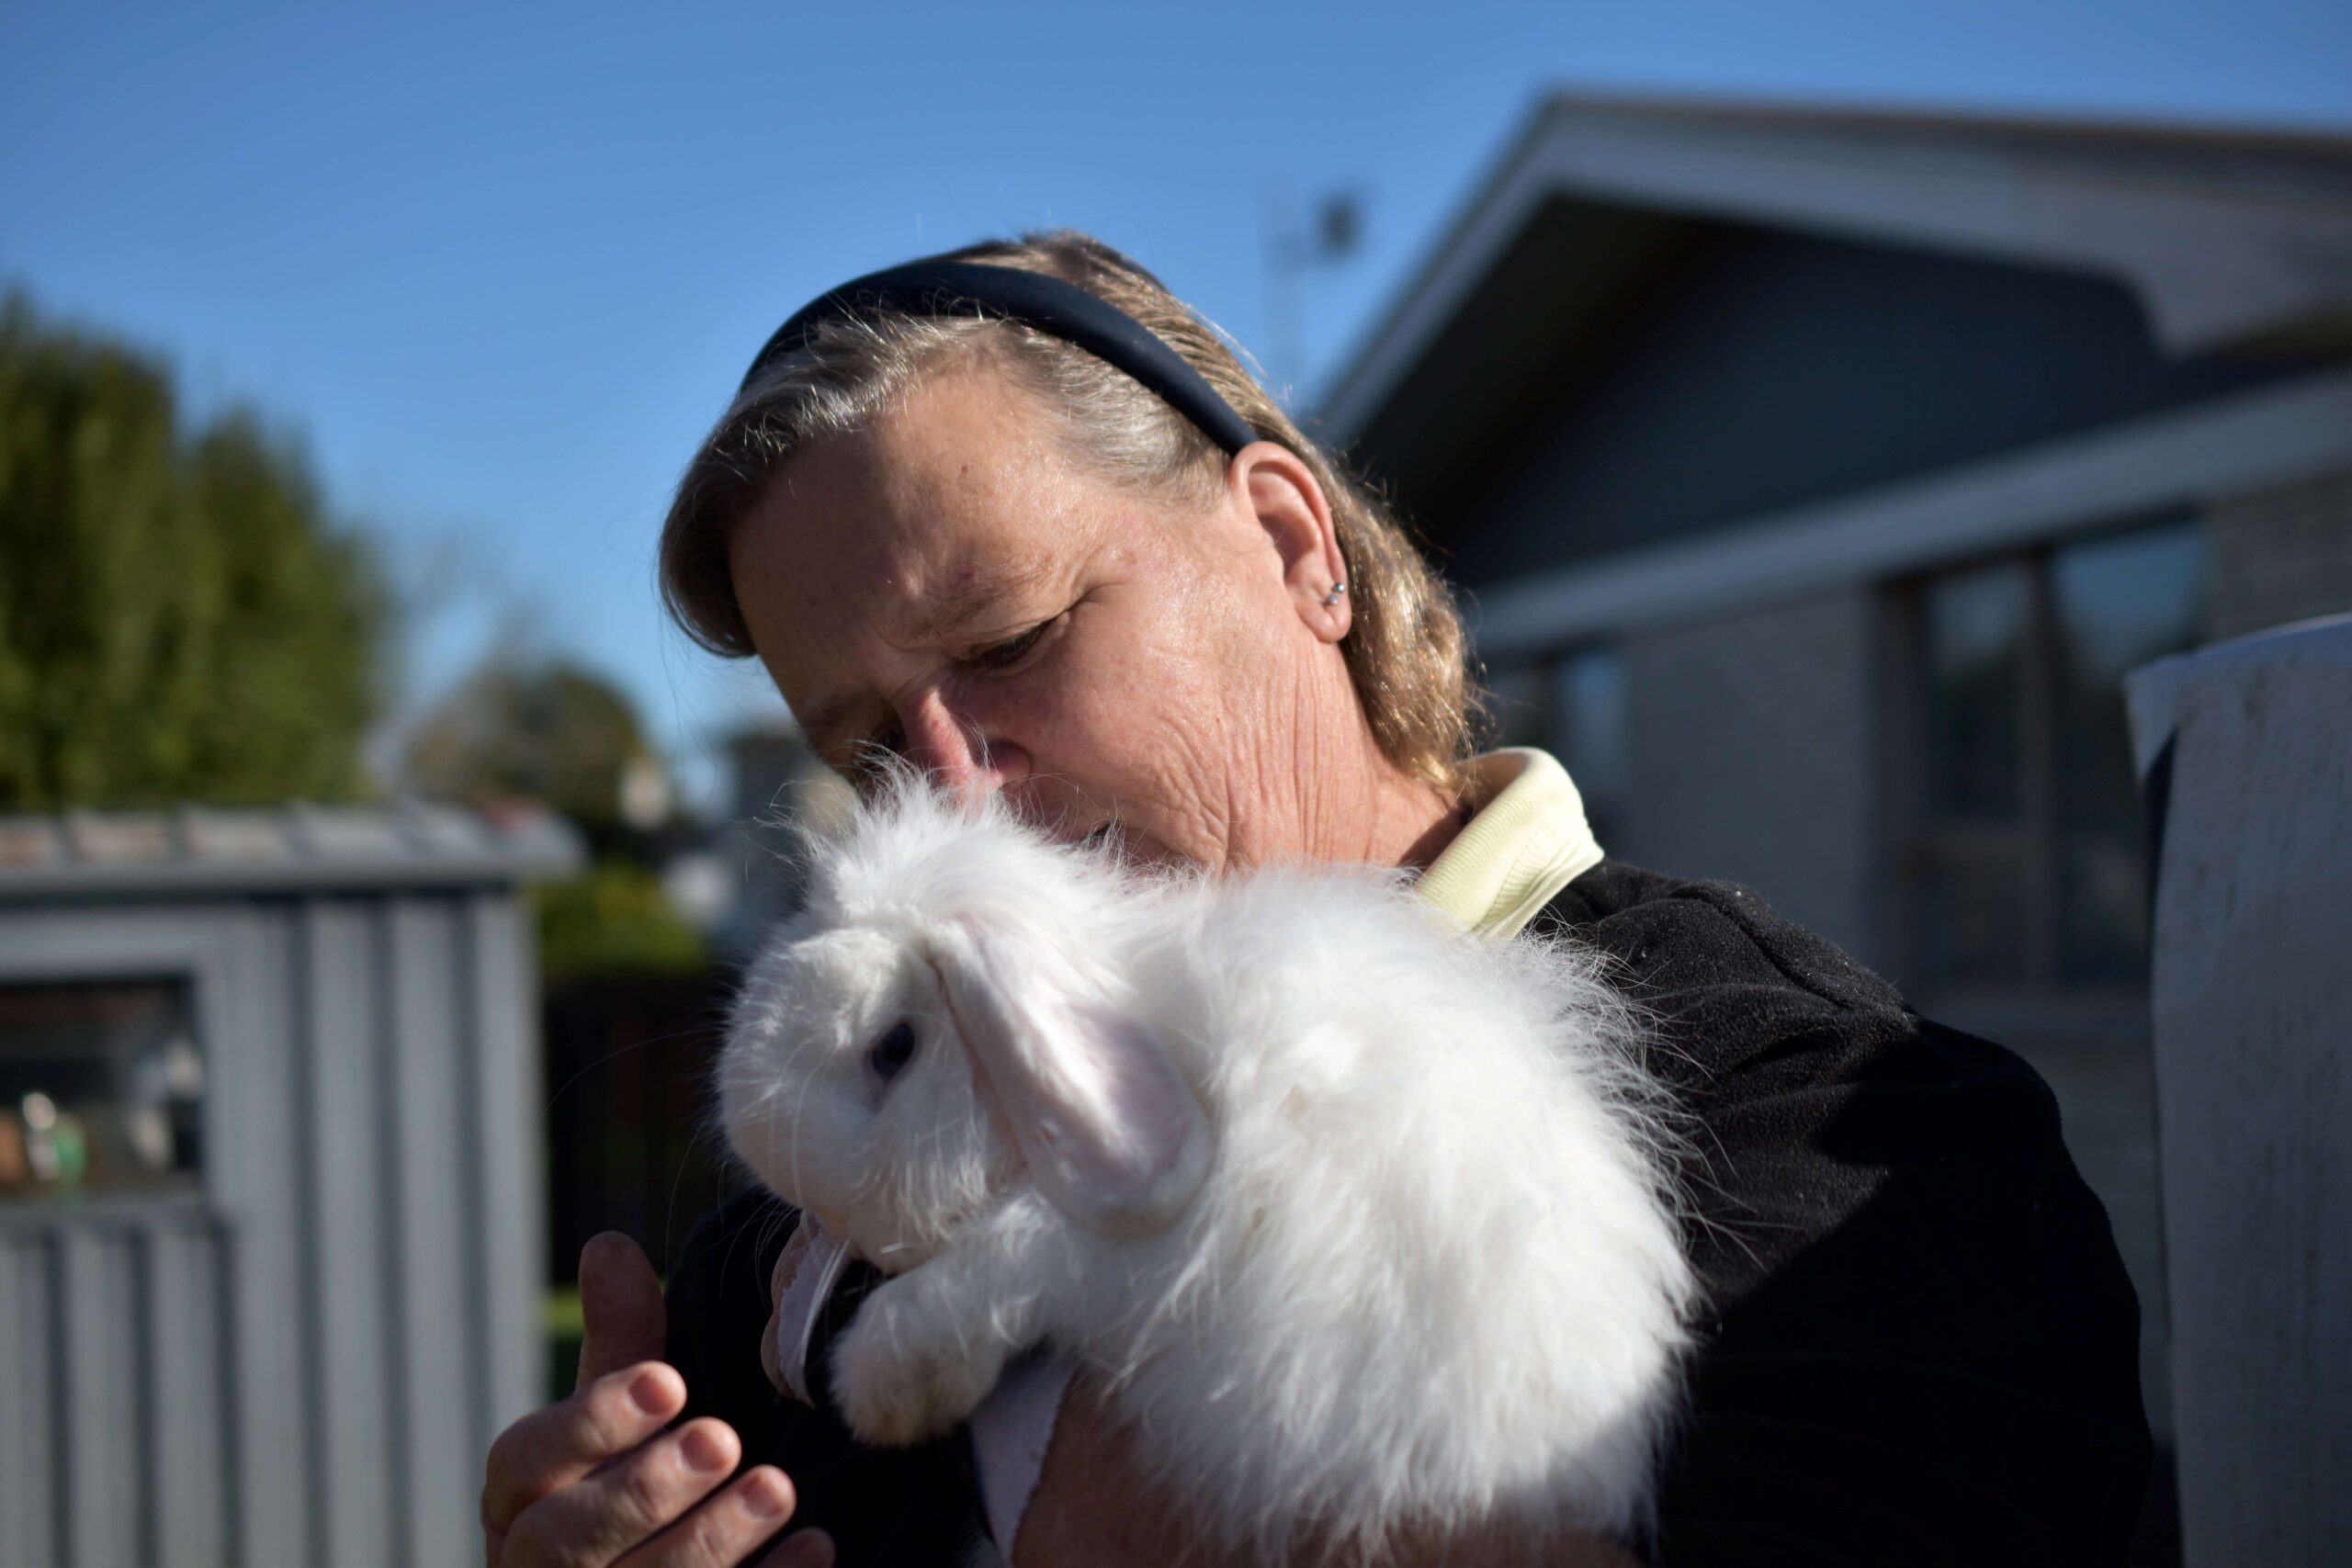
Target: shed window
[101, 1088]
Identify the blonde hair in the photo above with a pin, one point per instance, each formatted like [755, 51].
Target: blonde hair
[1404, 648]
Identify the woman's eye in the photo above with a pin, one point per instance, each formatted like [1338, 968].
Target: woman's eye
[1005, 655]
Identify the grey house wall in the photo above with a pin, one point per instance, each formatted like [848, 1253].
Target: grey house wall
[305, 1364]
[1754, 744]
[1754, 759]
[2281, 553]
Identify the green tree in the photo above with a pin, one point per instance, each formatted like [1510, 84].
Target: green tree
[180, 619]
[613, 919]
[547, 730]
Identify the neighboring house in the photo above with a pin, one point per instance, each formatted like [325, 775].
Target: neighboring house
[270, 1175]
[1815, 477]
[738, 883]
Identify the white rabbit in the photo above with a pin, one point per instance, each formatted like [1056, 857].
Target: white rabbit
[1365, 1221]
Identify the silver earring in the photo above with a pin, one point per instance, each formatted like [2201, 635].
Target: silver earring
[1333, 597]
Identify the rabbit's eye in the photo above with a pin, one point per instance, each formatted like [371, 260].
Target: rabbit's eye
[889, 1055]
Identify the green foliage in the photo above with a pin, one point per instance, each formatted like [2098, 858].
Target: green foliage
[614, 919]
[549, 731]
[179, 620]
[554, 732]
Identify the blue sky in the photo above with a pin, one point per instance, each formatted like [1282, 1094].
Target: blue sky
[500, 266]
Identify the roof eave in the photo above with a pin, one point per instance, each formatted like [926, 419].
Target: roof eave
[2215, 260]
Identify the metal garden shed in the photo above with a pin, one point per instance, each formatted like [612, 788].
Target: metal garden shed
[270, 1202]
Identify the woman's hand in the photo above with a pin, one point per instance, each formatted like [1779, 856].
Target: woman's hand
[596, 1481]
[1092, 1509]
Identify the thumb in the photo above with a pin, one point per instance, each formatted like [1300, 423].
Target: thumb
[620, 1306]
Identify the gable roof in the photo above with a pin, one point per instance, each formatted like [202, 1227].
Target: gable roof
[2225, 235]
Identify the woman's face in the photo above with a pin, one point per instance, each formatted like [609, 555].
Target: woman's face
[948, 584]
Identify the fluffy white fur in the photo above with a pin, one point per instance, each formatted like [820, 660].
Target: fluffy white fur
[1366, 1222]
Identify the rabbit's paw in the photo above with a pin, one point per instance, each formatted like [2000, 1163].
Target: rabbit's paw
[908, 1369]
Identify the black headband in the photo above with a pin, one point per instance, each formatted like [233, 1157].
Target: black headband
[1062, 309]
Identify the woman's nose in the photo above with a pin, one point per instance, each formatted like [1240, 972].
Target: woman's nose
[956, 748]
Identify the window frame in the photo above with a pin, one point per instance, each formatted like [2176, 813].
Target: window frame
[95, 945]
[1921, 841]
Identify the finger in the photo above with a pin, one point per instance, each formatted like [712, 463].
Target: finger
[593, 1521]
[725, 1530]
[620, 1306]
[549, 1449]
[802, 1549]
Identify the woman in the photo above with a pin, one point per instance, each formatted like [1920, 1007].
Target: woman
[1076, 555]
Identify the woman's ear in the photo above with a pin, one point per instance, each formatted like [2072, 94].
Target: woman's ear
[1282, 491]
[1109, 1128]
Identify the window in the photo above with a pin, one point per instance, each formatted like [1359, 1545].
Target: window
[1591, 733]
[101, 1088]
[1573, 705]
[2024, 864]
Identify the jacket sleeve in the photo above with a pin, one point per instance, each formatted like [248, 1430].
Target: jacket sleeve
[881, 1506]
[1920, 1345]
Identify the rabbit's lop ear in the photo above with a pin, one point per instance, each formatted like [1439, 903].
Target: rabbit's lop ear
[1112, 1132]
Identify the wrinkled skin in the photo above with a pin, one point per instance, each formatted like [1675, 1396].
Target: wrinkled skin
[1169, 665]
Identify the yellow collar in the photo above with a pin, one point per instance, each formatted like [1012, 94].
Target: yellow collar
[1528, 841]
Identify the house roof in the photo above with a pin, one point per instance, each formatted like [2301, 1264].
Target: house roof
[193, 850]
[2226, 235]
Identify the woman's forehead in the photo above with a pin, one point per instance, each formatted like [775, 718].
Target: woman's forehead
[840, 530]
[914, 580]
[954, 489]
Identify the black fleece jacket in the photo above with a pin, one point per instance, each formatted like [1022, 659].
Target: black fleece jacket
[1918, 1346]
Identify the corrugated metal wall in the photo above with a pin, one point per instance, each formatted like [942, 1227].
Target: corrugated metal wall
[305, 1365]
